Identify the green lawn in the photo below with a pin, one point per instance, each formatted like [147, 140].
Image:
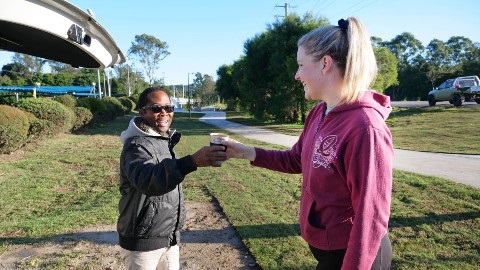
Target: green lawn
[69, 182]
[431, 129]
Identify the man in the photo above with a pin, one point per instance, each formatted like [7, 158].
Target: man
[151, 207]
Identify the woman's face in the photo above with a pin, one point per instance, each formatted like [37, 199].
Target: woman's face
[162, 120]
[309, 73]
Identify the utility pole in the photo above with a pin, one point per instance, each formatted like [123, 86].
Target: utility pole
[189, 96]
[286, 9]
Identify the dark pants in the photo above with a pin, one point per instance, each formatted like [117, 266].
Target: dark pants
[333, 259]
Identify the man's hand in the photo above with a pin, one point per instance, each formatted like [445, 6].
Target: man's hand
[210, 156]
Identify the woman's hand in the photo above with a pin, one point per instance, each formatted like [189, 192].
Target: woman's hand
[237, 149]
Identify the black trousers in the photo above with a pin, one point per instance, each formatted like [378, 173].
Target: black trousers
[333, 259]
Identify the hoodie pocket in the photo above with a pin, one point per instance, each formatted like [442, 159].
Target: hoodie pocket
[156, 219]
[314, 234]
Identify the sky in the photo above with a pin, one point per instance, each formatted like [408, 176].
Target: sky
[204, 35]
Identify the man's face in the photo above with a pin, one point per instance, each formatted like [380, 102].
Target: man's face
[160, 121]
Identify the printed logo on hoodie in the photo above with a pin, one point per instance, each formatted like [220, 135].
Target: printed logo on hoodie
[325, 151]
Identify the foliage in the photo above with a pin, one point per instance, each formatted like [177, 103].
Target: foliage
[91, 103]
[68, 100]
[83, 117]
[8, 99]
[47, 109]
[14, 127]
[115, 105]
[149, 51]
[387, 69]
[263, 80]
[39, 128]
[128, 103]
[205, 90]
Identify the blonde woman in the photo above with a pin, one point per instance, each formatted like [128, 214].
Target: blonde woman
[344, 153]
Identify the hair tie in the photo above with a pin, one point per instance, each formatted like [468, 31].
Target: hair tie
[343, 24]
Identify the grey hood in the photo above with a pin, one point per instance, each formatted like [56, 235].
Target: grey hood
[134, 130]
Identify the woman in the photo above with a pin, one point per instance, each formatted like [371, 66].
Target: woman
[344, 153]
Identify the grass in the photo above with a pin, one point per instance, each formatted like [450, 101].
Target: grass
[432, 129]
[70, 182]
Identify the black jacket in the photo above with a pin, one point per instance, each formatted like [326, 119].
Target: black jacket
[151, 207]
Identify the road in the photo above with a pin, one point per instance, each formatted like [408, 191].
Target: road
[463, 169]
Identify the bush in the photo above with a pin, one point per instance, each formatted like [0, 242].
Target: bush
[102, 111]
[39, 128]
[8, 99]
[115, 105]
[68, 100]
[83, 117]
[51, 110]
[91, 103]
[134, 98]
[127, 103]
[14, 128]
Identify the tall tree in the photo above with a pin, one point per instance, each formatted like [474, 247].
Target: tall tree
[411, 74]
[268, 85]
[205, 92]
[149, 51]
[387, 69]
[438, 60]
[33, 65]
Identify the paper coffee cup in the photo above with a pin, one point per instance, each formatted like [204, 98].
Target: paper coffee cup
[218, 138]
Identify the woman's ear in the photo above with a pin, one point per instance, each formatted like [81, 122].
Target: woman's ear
[327, 63]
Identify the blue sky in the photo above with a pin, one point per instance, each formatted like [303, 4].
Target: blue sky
[203, 35]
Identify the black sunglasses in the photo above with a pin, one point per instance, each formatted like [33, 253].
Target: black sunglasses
[159, 108]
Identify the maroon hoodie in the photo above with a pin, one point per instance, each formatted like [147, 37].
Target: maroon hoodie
[346, 160]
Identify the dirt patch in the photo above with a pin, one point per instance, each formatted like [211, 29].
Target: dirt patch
[208, 242]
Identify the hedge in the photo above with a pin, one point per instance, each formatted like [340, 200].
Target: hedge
[14, 127]
[48, 109]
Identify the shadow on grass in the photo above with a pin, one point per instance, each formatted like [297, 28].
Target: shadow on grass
[397, 222]
[247, 231]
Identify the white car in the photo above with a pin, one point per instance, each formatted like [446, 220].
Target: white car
[56, 30]
[455, 90]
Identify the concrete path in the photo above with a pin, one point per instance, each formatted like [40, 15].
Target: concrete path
[460, 168]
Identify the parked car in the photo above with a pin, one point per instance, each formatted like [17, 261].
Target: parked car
[456, 91]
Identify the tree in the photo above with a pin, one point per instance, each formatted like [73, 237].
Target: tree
[438, 59]
[33, 65]
[149, 51]
[205, 91]
[411, 67]
[267, 84]
[387, 69]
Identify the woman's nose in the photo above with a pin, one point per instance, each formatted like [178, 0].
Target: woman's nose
[297, 77]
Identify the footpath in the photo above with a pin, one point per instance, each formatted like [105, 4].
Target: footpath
[463, 169]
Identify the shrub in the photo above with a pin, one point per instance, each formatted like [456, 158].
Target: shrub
[51, 110]
[8, 99]
[91, 103]
[127, 103]
[83, 117]
[134, 98]
[13, 129]
[68, 100]
[39, 128]
[102, 111]
[115, 105]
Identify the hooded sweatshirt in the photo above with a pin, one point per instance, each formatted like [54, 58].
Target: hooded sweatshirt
[151, 207]
[346, 161]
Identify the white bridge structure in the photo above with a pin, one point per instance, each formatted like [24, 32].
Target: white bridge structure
[179, 102]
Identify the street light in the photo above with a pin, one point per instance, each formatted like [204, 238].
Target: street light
[189, 95]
